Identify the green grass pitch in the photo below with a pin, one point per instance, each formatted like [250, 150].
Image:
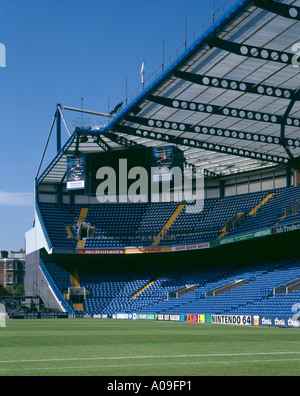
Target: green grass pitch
[93, 347]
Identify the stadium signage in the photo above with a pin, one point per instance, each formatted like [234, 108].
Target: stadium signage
[266, 322]
[286, 228]
[293, 323]
[127, 316]
[146, 316]
[279, 321]
[244, 237]
[195, 318]
[147, 250]
[191, 247]
[231, 320]
[101, 251]
[39, 315]
[169, 317]
[238, 320]
[76, 169]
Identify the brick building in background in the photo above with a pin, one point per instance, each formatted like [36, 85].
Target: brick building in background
[12, 270]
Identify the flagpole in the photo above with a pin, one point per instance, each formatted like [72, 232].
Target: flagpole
[143, 74]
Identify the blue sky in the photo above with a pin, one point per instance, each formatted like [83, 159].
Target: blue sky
[58, 51]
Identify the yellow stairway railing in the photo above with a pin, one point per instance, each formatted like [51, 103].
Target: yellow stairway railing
[75, 282]
[169, 223]
[82, 215]
[252, 213]
[78, 306]
[147, 285]
[70, 235]
[223, 233]
[281, 219]
[74, 276]
[262, 203]
[80, 244]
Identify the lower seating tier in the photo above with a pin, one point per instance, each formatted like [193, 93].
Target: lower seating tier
[146, 291]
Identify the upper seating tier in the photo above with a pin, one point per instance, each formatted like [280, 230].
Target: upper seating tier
[138, 225]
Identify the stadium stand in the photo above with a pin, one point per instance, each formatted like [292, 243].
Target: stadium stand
[124, 225]
[228, 104]
[260, 281]
[272, 213]
[111, 292]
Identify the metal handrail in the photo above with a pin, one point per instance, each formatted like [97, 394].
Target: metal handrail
[190, 40]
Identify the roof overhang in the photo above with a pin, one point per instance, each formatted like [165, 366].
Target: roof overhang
[230, 100]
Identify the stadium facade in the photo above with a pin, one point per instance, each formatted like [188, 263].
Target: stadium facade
[228, 104]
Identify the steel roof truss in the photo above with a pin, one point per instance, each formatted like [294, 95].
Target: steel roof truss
[56, 160]
[223, 111]
[285, 10]
[241, 152]
[101, 142]
[284, 141]
[122, 141]
[251, 51]
[213, 131]
[233, 85]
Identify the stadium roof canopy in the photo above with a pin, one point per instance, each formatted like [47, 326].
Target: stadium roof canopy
[230, 99]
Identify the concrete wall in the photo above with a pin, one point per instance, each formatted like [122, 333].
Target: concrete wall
[36, 283]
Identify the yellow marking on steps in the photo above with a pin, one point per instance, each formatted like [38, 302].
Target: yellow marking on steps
[169, 223]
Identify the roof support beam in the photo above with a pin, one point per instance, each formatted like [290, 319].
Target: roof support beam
[233, 85]
[62, 152]
[58, 129]
[46, 145]
[97, 113]
[102, 143]
[283, 140]
[211, 131]
[251, 51]
[195, 143]
[285, 10]
[63, 178]
[122, 141]
[223, 111]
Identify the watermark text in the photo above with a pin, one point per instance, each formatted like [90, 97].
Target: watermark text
[139, 185]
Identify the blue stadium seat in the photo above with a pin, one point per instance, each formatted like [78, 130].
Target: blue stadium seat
[135, 225]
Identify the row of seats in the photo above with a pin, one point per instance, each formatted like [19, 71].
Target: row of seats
[215, 213]
[272, 213]
[257, 291]
[125, 225]
[111, 291]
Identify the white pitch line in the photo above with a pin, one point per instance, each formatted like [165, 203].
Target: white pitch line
[151, 357]
[150, 365]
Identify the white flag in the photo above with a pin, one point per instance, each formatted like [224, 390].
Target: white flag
[143, 72]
